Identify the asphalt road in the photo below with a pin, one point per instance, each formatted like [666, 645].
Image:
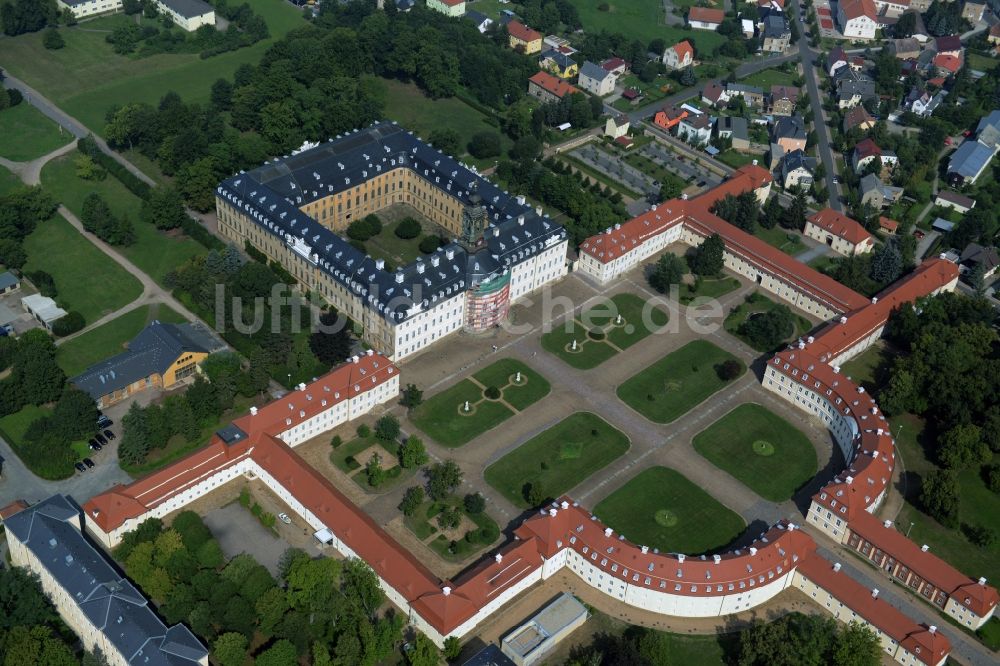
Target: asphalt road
[807, 56]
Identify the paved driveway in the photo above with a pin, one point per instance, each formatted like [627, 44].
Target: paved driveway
[238, 531]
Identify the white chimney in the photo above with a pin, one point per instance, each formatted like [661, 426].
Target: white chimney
[843, 320]
[379, 264]
[498, 557]
[753, 551]
[874, 300]
[836, 566]
[302, 386]
[887, 524]
[253, 411]
[446, 590]
[608, 531]
[932, 629]
[716, 558]
[924, 548]
[755, 162]
[354, 359]
[874, 593]
[520, 220]
[680, 558]
[810, 339]
[370, 352]
[645, 550]
[553, 512]
[836, 369]
[792, 527]
[538, 211]
[564, 504]
[942, 256]
[850, 479]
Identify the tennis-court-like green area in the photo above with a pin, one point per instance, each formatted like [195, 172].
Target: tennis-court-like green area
[662, 509]
[763, 451]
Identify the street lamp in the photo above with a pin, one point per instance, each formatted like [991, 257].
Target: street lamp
[908, 529]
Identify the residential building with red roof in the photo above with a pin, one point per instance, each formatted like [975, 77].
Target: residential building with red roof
[887, 225]
[669, 117]
[705, 18]
[616, 66]
[841, 233]
[865, 151]
[549, 88]
[679, 55]
[946, 64]
[524, 39]
[858, 19]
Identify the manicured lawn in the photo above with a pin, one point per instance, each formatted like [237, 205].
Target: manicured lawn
[869, 367]
[757, 303]
[502, 374]
[662, 509]
[394, 250]
[978, 505]
[762, 450]
[642, 20]
[734, 158]
[26, 134]
[990, 633]
[8, 181]
[444, 418]
[86, 279]
[676, 383]
[407, 105]
[13, 426]
[598, 332]
[788, 242]
[980, 62]
[823, 263]
[154, 252]
[708, 288]
[343, 458]
[769, 77]
[424, 525]
[108, 339]
[101, 78]
[558, 459]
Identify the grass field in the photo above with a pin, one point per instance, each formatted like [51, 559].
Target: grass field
[393, 249]
[558, 459]
[708, 288]
[598, 333]
[101, 78]
[979, 506]
[443, 417]
[734, 158]
[769, 77]
[869, 367]
[642, 20]
[676, 383]
[757, 303]
[86, 280]
[155, 253]
[8, 181]
[108, 339]
[980, 62]
[662, 509]
[13, 426]
[788, 242]
[761, 450]
[26, 134]
[407, 105]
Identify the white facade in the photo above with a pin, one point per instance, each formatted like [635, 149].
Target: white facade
[189, 23]
[860, 27]
[602, 86]
[90, 7]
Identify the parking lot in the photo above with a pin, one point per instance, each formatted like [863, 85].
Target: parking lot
[615, 169]
[684, 167]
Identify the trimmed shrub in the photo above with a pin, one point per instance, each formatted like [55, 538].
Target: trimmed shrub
[408, 228]
[68, 324]
[492, 392]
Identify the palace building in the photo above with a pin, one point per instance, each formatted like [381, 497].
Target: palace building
[294, 209]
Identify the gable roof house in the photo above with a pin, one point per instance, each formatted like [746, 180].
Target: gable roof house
[452, 8]
[973, 11]
[616, 66]
[596, 80]
[859, 118]
[714, 94]
[480, 20]
[877, 194]
[679, 56]
[161, 355]
[776, 34]
[783, 100]
[669, 117]
[558, 63]
[695, 128]
[797, 170]
[789, 132]
[905, 49]
[840, 232]
[752, 95]
[703, 18]
[548, 88]
[865, 152]
[836, 59]
[854, 90]
[736, 130]
[959, 202]
[969, 162]
[988, 129]
[975, 255]
[616, 126]
[858, 19]
[522, 38]
[923, 103]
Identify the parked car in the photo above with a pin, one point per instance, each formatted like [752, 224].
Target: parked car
[100, 438]
[110, 435]
[88, 462]
[283, 517]
[94, 445]
[104, 422]
[80, 467]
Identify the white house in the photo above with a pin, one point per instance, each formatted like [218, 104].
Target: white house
[82, 8]
[679, 55]
[858, 18]
[596, 80]
[187, 14]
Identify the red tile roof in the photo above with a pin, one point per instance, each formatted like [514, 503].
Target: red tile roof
[706, 15]
[948, 62]
[854, 8]
[612, 64]
[840, 225]
[613, 243]
[553, 84]
[452, 3]
[889, 225]
[930, 647]
[826, 24]
[866, 148]
[518, 30]
[14, 507]
[857, 116]
[683, 49]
